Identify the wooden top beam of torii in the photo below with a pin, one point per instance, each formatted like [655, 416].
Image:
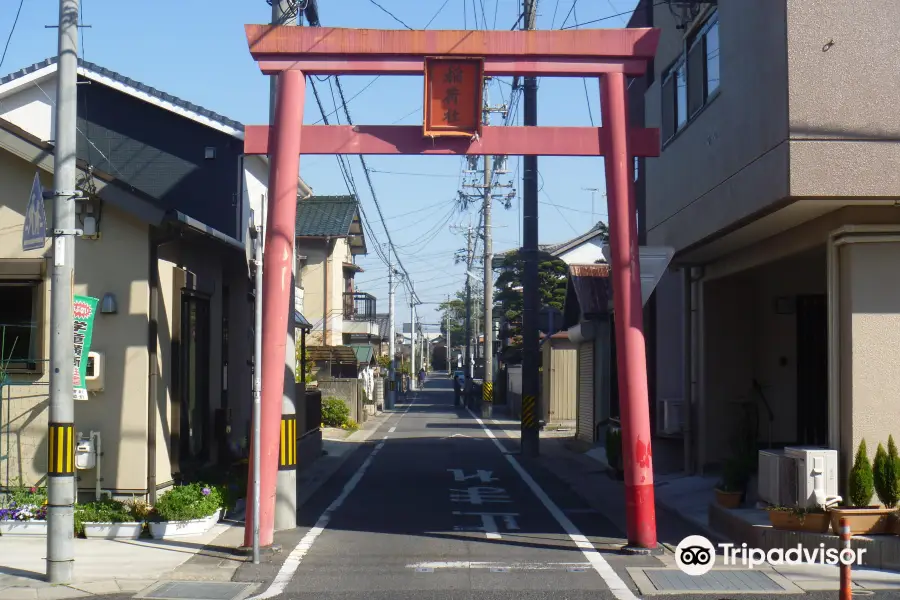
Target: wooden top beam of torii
[339, 51]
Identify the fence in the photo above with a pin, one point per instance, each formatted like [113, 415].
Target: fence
[24, 413]
[347, 390]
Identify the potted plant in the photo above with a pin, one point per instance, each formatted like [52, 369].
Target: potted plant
[108, 519]
[794, 518]
[24, 512]
[186, 510]
[730, 489]
[863, 518]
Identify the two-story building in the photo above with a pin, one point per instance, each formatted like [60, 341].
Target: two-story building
[778, 188]
[329, 238]
[169, 196]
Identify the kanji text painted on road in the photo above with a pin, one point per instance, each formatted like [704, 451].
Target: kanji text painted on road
[479, 495]
[453, 96]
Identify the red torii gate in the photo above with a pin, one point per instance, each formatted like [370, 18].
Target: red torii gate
[291, 53]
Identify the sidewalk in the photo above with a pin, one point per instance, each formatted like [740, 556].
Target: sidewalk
[105, 567]
[680, 500]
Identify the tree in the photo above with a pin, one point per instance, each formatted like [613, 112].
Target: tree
[508, 299]
[456, 308]
[310, 375]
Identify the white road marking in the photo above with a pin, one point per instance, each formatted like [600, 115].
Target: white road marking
[392, 429]
[495, 565]
[484, 476]
[489, 523]
[615, 583]
[292, 563]
[480, 495]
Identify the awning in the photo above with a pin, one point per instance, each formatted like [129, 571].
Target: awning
[300, 321]
[364, 353]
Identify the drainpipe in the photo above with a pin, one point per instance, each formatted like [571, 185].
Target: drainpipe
[691, 370]
[153, 357]
[325, 292]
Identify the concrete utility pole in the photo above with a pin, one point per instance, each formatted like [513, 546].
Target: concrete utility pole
[286, 485]
[531, 399]
[469, 255]
[392, 384]
[259, 222]
[412, 342]
[447, 341]
[61, 474]
[488, 385]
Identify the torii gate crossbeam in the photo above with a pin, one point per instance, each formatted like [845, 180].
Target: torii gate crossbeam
[290, 53]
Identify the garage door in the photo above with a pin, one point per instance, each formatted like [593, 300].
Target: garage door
[585, 417]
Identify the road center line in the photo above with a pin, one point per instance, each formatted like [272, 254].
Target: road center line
[615, 583]
[392, 429]
[292, 562]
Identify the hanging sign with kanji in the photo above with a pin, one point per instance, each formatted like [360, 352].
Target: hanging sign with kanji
[453, 96]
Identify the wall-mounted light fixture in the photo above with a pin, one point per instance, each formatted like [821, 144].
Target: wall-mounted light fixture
[108, 305]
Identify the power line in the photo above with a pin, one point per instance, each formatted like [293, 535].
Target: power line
[607, 18]
[11, 32]
[390, 14]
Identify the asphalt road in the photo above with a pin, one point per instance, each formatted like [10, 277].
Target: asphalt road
[433, 507]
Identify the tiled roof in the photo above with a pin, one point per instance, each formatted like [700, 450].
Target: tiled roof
[184, 104]
[321, 216]
[592, 287]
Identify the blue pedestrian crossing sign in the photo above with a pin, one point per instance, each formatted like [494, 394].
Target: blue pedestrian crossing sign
[34, 231]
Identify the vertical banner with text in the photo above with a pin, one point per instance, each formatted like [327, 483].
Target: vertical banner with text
[84, 308]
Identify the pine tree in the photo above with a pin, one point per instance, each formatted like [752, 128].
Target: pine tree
[893, 477]
[882, 472]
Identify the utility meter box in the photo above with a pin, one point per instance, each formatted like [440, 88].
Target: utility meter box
[85, 457]
[96, 369]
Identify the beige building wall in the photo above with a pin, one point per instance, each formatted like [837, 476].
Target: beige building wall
[116, 263]
[322, 255]
[868, 311]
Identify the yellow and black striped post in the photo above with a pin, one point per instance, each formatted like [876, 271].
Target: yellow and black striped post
[529, 419]
[487, 391]
[61, 453]
[287, 457]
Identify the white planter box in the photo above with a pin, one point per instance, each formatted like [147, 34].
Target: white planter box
[16, 528]
[112, 531]
[168, 529]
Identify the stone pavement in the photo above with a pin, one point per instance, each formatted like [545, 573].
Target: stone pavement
[109, 567]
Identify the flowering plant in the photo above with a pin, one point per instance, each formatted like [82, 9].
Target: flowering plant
[188, 502]
[25, 504]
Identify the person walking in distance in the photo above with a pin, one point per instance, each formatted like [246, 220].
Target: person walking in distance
[421, 377]
[457, 391]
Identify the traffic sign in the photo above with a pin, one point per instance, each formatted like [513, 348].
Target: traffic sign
[34, 231]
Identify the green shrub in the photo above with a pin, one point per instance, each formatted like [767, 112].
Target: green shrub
[350, 425]
[188, 502]
[886, 471]
[614, 447]
[861, 481]
[335, 412]
[103, 511]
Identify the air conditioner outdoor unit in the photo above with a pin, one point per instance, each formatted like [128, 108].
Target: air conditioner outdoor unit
[777, 478]
[671, 416]
[816, 469]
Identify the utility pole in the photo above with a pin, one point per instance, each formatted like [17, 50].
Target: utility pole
[469, 254]
[412, 341]
[447, 341]
[61, 479]
[593, 191]
[283, 13]
[531, 399]
[258, 225]
[488, 381]
[392, 385]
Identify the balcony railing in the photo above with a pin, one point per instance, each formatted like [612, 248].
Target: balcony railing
[359, 306]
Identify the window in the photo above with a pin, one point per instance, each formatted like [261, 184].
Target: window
[692, 80]
[19, 324]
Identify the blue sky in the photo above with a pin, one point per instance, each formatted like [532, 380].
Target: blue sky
[197, 51]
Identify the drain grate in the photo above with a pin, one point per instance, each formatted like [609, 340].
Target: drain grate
[717, 580]
[198, 590]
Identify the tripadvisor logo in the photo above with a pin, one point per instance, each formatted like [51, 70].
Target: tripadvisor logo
[696, 555]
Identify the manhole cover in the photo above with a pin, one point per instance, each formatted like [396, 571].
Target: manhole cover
[717, 580]
[199, 590]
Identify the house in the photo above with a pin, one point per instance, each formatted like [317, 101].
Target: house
[777, 188]
[170, 194]
[329, 238]
[589, 325]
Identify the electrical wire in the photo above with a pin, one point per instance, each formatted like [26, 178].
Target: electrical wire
[11, 32]
[390, 14]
